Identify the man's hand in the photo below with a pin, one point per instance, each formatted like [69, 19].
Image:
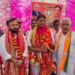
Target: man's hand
[13, 60]
[52, 47]
[19, 63]
[43, 48]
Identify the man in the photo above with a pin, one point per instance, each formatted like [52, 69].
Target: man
[56, 26]
[36, 11]
[40, 46]
[65, 46]
[28, 34]
[57, 12]
[55, 30]
[14, 42]
[33, 24]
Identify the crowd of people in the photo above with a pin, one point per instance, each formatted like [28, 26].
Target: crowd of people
[50, 51]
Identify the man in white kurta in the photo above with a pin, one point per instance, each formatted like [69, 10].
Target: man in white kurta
[3, 52]
[71, 61]
[17, 51]
[55, 31]
[5, 55]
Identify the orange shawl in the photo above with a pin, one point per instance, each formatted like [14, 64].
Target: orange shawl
[65, 50]
[12, 47]
[46, 65]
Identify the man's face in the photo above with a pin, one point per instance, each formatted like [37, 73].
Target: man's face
[57, 9]
[34, 23]
[56, 25]
[36, 7]
[14, 26]
[41, 22]
[65, 26]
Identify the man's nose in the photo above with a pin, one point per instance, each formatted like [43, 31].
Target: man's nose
[65, 25]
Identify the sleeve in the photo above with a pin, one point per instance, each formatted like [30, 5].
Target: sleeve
[5, 55]
[28, 39]
[3, 52]
[73, 38]
[25, 54]
[52, 36]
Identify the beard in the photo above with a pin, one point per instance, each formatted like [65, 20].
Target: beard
[15, 30]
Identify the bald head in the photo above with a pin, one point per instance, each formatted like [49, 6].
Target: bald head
[66, 25]
[66, 19]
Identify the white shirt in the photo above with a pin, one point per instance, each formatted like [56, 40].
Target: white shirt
[28, 36]
[5, 55]
[25, 53]
[3, 52]
[71, 61]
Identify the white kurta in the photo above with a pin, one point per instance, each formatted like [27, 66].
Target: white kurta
[71, 62]
[5, 55]
[60, 50]
[25, 53]
[54, 34]
[28, 37]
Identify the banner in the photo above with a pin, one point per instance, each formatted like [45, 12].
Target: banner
[52, 11]
[47, 1]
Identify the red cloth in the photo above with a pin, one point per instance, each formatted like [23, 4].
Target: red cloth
[43, 36]
[19, 46]
[0, 60]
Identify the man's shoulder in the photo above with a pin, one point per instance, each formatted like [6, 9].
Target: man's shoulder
[3, 35]
[2, 38]
[33, 13]
[72, 32]
[24, 36]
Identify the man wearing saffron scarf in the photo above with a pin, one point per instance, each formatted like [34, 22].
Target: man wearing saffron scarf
[40, 47]
[65, 48]
[14, 42]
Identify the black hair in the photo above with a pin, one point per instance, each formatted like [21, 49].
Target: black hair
[33, 20]
[55, 21]
[58, 7]
[11, 20]
[41, 16]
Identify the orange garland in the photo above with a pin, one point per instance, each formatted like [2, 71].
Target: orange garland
[45, 59]
[16, 47]
[12, 41]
